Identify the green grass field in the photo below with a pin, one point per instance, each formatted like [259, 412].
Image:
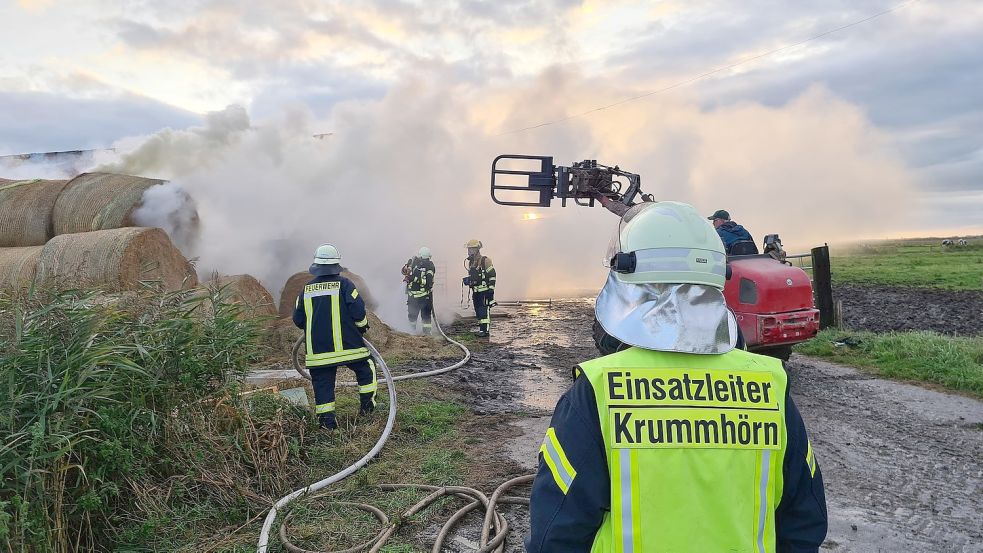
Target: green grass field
[955, 363]
[917, 263]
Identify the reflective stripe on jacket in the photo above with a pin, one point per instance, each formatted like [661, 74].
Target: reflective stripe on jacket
[653, 451]
[331, 312]
[421, 279]
[482, 273]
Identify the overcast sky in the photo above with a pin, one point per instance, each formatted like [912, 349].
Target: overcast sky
[84, 74]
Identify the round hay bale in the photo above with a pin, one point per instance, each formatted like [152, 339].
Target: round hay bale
[363, 289]
[18, 267]
[26, 208]
[100, 201]
[115, 260]
[247, 292]
[291, 290]
[295, 284]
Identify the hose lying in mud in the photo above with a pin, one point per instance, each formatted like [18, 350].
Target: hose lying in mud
[264, 535]
[493, 522]
[493, 519]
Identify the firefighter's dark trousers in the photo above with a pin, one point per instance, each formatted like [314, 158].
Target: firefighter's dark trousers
[481, 300]
[323, 380]
[420, 308]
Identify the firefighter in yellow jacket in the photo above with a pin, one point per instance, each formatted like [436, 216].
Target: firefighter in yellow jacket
[481, 279]
[679, 441]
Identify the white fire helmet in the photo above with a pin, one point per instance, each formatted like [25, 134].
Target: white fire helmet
[664, 292]
[327, 255]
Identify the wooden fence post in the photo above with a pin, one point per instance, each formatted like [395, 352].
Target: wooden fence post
[822, 279]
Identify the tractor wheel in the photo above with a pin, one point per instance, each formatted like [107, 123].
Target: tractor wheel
[778, 352]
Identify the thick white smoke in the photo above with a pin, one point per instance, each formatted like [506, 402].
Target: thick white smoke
[412, 169]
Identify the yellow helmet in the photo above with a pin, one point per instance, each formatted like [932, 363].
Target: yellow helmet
[473, 244]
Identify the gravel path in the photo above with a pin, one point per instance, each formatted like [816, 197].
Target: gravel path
[903, 464]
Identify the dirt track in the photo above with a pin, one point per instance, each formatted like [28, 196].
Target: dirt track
[885, 308]
[903, 465]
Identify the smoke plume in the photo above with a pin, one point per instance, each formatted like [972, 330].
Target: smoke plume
[412, 169]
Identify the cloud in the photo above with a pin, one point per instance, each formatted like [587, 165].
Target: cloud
[32, 121]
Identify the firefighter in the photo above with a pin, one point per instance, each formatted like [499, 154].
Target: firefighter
[332, 315]
[481, 279]
[680, 442]
[419, 289]
[737, 240]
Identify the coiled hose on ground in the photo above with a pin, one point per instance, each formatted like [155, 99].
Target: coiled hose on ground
[494, 529]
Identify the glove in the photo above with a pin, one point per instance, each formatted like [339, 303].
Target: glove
[491, 298]
[466, 280]
[363, 329]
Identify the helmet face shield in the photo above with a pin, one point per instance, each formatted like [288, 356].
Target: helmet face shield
[686, 318]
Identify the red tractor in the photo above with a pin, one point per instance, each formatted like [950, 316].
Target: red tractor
[772, 300]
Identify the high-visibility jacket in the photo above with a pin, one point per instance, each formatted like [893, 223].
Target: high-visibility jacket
[659, 451]
[332, 314]
[481, 273]
[421, 278]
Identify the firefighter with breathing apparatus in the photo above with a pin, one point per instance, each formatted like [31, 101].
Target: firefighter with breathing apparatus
[679, 441]
[481, 279]
[333, 318]
[418, 273]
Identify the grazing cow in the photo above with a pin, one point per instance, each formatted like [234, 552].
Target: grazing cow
[962, 242]
[947, 242]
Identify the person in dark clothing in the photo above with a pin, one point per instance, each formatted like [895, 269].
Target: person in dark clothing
[737, 240]
[333, 318]
[419, 275]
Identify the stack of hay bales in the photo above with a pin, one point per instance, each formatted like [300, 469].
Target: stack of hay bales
[114, 260]
[26, 209]
[86, 228]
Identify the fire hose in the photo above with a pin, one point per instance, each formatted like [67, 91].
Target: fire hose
[493, 522]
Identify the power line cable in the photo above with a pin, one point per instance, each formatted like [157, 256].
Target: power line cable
[713, 71]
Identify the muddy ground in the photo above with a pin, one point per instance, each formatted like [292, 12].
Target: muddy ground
[885, 308]
[903, 465]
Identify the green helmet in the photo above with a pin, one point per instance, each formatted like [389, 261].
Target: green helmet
[667, 243]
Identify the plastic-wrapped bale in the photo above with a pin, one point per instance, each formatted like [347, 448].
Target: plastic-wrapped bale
[295, 284]
[245, 291]
[26, 209]
[18, 267]
[100, 201]
[115, 260]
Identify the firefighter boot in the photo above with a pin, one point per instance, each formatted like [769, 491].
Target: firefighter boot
[328, 421]
[367, 403]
